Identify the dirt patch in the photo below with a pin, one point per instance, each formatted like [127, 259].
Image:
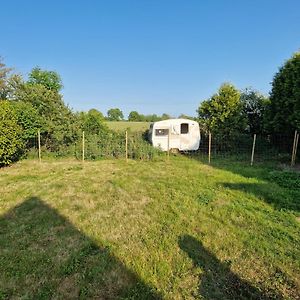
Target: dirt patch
[68, 287]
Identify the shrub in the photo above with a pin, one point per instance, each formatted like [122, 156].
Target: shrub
[28, 118]
[290, 180]
[11, 143]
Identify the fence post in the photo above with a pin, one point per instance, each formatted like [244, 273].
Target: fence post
[82, 145]
[169, 144]
[295, 149]
[126, 145]
[39, 146]
[209, 147]
[297, 140]
[294, 146]
[253, 149]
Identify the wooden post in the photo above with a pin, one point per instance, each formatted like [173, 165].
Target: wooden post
[169, 144]
[295, 150]
[209, 147]
[39, 146]
[126, 145]
[294, 146]
[83, 146]
[253, 149]
[297, 140]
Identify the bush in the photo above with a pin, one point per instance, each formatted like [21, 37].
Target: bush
[28, 118]
[11, 143]
[290, 180]
[111, 144]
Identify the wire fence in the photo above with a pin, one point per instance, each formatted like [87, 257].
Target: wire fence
[87, 146]
[279, 148]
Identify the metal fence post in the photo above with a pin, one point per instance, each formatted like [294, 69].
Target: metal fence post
[169, 144]
[83, 146]
[39, 146]
[253, 149]
[294, 147]
[209, 147]
[126, 145]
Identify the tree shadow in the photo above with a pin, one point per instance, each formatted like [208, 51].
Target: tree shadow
[280, 188]
[279, 199]
[44, 256]
[217, 280]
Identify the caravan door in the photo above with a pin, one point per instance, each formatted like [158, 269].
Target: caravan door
[175, 136]
[185, 136]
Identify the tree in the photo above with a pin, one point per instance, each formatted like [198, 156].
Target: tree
[4, 71]
[165, 116]
[284, 111]
[184, 116]
[254, 107]
[11, 144]
[28, 119]
[152, 118]
[49, 79]
[48, 103]
[115, 114]
[93, 121]
[134, 116]
[57, 120]
[222, 113]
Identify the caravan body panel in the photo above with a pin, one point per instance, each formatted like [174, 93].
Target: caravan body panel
[181, 134]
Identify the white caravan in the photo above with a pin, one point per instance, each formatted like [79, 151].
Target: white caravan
[181, 134]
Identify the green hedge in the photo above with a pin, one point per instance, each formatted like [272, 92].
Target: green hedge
[11, 142]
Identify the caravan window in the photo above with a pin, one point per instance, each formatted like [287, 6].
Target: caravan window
[161, 132]
[184, 128]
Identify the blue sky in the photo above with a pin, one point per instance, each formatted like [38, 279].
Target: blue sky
[151, 56]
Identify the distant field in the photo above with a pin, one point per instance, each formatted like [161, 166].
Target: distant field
[177, 229]
[123, 125]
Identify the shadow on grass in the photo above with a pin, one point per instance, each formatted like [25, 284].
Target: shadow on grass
[44, 256]
[279, 198]
[218, 281]
[285, 192]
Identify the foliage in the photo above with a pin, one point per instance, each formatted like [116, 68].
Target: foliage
[254, 107]
[92, 121]
[28, 118]
[151, 118]
[13, 85]
[115, 114]
[111, 144]
[57, 120]
[11, 144]
[284, 111]
[184, 116]
[134, 116]
[165, 116]
[222, 113]
[49, 79]
[4, 71]
[290, 180]
[140, 148]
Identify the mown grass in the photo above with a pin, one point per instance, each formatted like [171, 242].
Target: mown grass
[123, 125]
[148, 230]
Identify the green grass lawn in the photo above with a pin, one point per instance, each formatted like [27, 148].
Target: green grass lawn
[148, 230]
[123, 125]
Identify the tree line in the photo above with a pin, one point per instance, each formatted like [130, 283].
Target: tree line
[36, 103]
[115, 114]
[229, 111]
